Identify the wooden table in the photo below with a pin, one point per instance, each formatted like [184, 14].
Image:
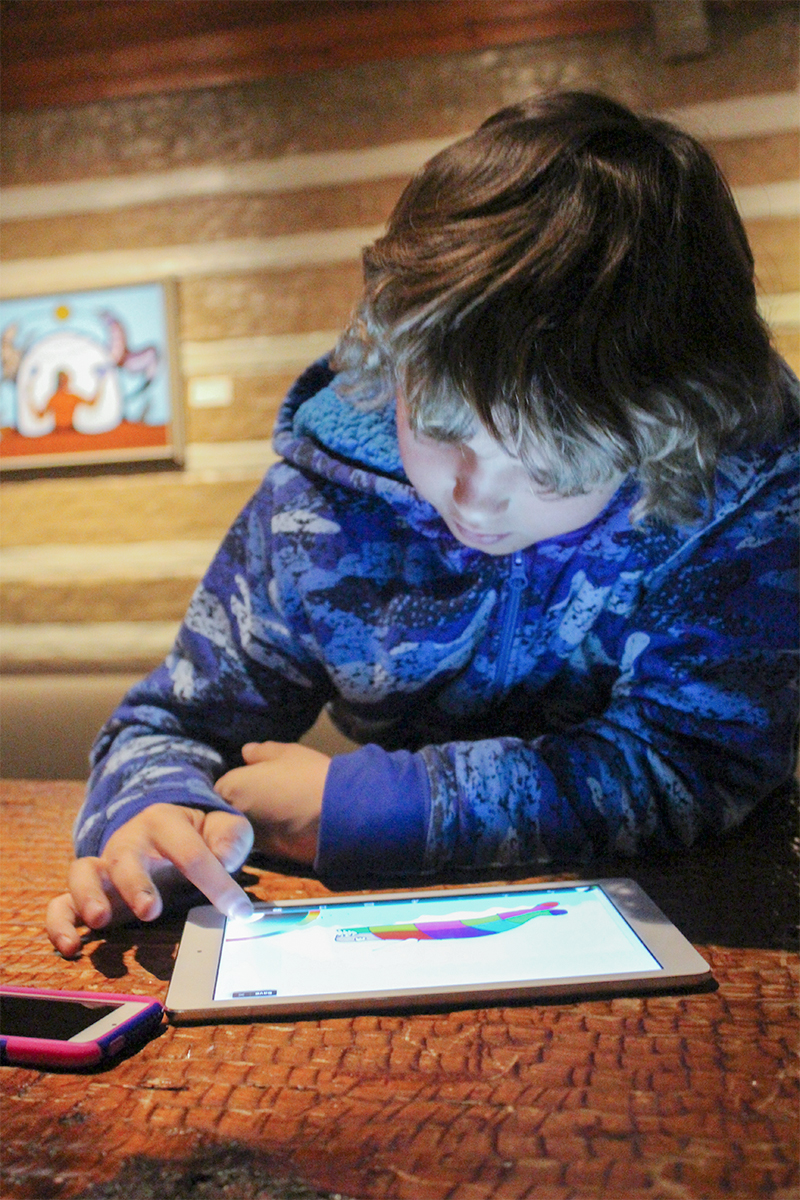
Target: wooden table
[671, 1097]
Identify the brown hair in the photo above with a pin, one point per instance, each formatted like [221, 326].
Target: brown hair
[578, 279]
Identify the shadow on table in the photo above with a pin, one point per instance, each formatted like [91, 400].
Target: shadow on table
[738, 891]
[234, 1171]
[154, 946]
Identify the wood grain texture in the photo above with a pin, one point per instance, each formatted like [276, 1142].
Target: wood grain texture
[660, 1097]
[63, 52]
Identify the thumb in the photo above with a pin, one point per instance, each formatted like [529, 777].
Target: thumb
[229, 837]
[253, 752]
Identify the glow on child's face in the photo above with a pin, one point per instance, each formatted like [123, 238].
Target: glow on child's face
[486, 496]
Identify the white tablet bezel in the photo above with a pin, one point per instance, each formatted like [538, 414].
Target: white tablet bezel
[191, 990]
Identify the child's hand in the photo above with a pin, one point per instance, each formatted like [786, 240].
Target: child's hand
[164, 841]
[280, 792]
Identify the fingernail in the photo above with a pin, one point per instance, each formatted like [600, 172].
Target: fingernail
[65, 946]
[95, 912]
[240, 910]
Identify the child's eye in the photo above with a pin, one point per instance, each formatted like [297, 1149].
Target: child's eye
[441, 437]
[543, 488]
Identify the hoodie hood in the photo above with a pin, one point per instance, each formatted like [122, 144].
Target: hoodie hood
[315, 411]
[319, 430]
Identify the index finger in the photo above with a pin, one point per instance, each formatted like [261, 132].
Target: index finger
[177, 839]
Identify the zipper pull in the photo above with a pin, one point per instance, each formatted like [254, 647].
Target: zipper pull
[516, 582]
[519, 576]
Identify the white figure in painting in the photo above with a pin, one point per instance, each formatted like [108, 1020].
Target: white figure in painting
[68, 380]
[65, 381]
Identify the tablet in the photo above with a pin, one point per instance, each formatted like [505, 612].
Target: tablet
[429, 947]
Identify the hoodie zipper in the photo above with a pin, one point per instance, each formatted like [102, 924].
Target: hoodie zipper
[516, 582]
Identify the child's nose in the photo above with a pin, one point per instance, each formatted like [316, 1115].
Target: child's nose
[477, 490]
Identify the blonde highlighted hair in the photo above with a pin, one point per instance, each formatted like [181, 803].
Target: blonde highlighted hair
[576, 278]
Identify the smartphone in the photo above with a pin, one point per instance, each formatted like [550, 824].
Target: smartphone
[40, 1027]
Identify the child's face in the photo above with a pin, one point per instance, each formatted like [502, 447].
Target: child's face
[485, 495]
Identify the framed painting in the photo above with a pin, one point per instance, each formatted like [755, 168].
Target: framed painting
[90, 377]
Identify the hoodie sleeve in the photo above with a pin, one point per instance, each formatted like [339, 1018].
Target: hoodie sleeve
[243, 668]
[375, 814]
[700, 726]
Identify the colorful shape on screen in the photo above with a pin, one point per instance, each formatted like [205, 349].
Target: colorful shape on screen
[463, 927]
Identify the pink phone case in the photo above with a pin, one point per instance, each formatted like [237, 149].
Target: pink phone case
[48, 1052]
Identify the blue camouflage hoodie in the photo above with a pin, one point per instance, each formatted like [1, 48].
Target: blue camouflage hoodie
[618, 688]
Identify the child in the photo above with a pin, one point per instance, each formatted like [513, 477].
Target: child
[530, 542]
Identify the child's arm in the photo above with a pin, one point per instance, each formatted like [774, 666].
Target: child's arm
[240, 672]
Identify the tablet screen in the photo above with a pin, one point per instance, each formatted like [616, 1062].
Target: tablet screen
[427, 941]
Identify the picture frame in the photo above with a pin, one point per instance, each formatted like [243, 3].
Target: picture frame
[91, 377]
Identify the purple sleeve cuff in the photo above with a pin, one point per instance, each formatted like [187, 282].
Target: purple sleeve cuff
[374, 814]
